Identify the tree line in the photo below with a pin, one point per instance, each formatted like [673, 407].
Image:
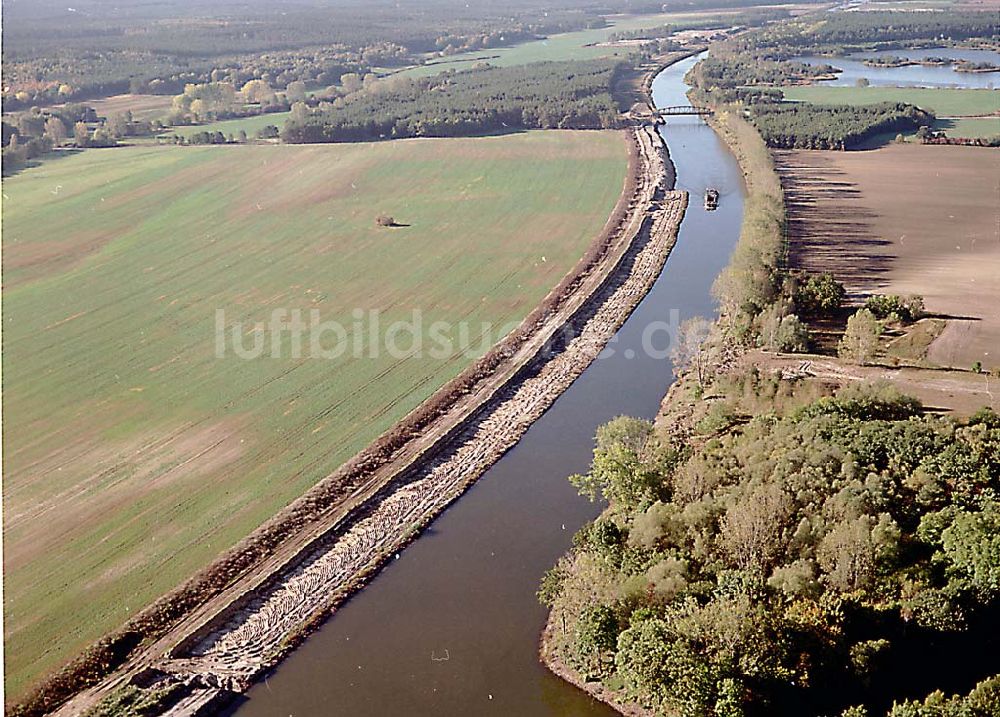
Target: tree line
[482, 100]
[32, 134]
[849, 32]
[881, 28]
[810, 126]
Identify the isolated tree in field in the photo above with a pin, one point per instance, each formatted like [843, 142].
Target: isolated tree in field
[861, 339]
[385, 220]
[914, 306]
[81, 135]
[102, 137]
[687, 351]
[55, 130]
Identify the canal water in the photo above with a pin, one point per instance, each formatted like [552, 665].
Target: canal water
[451, 627]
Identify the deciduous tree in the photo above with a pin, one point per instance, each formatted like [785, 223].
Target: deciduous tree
[860, 342]
[55, 130]
[687, 352]
[81, 135]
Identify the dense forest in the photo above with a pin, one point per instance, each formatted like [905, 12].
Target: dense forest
[983, 700]
[488, 99]
[847, 28]
[732, 71]
[785, 553]
[847, 32]
[809, 126]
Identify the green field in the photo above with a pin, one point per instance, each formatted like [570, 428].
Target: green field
[943, 102]
[965, 127]
[133, 454]
[973, 128]
[250, 125]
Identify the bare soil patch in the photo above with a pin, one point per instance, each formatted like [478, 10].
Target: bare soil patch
[940, 390]
[142, 107]
[906, 219]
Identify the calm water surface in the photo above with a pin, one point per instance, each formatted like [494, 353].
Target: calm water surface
[911, 75]
[451, 627]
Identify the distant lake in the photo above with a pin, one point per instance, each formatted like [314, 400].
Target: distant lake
[911, 75]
